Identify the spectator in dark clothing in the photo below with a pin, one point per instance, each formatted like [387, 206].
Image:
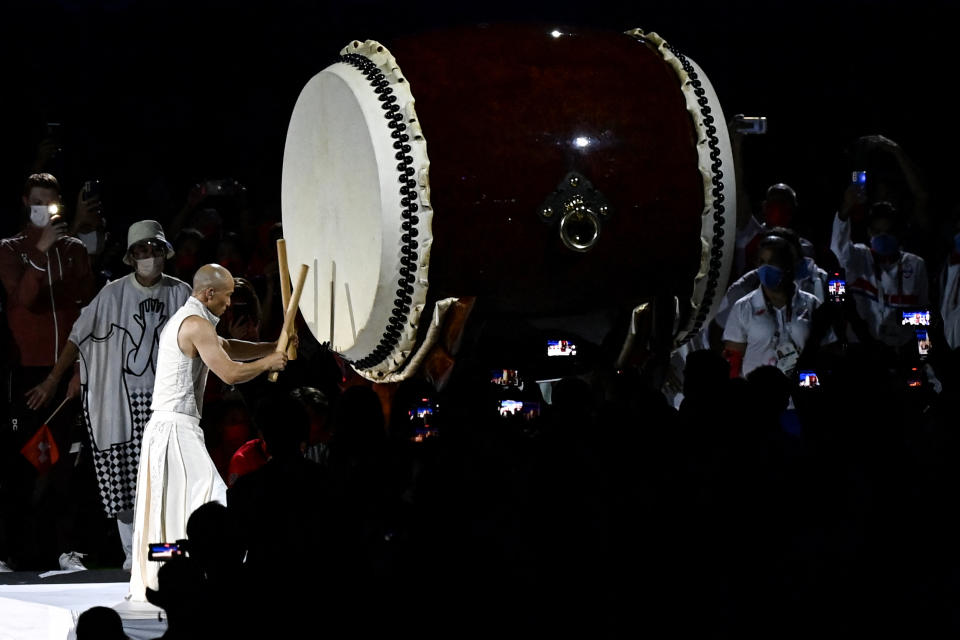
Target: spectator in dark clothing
[285, 515]
[46, 277]
[184, 598]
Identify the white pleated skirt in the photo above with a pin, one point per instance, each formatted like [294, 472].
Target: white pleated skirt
[175, 476]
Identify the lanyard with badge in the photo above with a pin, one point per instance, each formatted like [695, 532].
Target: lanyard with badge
[787, 352]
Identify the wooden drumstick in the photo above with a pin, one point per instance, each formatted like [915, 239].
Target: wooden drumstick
[284, 338]
[285, 289]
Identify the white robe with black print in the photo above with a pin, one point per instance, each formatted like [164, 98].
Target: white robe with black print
[117, 334]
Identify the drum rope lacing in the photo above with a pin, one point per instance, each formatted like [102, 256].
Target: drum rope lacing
[716, 251]
[408, 193]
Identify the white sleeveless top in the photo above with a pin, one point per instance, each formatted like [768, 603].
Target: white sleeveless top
[180, 380]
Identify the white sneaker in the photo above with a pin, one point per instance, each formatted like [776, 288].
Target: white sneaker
[70, 561]
[4, 568]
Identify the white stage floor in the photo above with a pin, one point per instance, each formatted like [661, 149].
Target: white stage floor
[50, 611]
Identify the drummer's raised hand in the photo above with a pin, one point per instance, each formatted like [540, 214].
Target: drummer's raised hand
[276, 361]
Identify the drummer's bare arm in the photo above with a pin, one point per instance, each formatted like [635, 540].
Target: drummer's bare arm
[197, 337]
[242, 350]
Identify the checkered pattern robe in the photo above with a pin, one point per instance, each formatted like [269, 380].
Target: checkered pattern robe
[117, 334]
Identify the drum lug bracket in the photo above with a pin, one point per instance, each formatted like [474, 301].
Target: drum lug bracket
[577, 210]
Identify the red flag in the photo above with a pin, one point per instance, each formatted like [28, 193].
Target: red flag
[41, 450]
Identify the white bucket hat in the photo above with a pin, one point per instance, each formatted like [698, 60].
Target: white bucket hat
[146, 230]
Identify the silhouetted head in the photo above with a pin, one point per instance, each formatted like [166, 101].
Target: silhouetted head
[705, 374]
[100, 623]
[780, 205]
[771, 390]
[284, 423]
[213, 544]
[359, 423]
[572, 398]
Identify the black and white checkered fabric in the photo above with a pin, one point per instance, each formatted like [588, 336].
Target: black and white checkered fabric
[116, 467]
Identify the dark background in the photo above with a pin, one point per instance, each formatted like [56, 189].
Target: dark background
[156, 96]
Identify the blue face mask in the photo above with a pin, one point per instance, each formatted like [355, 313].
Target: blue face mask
[803, 269]
[956, 243]
[770, 276]
[885, 244]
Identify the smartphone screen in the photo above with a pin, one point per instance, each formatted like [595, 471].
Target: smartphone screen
[923, 343]
[836, 290]
[424, 414]
[561, 348]
[424, 409]
[913, 379]
[916, 318]
[808, 379]
[506, 378]
[161, 551]
[859, 178]
[522, 408]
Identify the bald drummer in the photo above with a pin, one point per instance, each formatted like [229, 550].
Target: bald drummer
[176, 474]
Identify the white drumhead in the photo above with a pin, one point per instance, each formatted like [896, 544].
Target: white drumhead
[343, 210]
[719, 215]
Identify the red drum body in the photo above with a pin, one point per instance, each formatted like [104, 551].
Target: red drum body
[550, 174]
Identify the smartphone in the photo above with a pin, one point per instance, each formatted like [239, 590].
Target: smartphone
[506, 378]
[751, 125]
[916, 318]
[163, 551]
[913, 378]
[424, 409]
[923, 343]
[424, 413]
[808, 379]
[561, 348]
[224, 187]
[836, 290]
[91, 189]
[523, 408]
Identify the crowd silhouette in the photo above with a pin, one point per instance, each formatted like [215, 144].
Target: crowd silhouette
[720, 505]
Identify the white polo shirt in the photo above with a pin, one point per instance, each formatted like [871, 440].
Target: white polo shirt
[750, 322]
[816, 284]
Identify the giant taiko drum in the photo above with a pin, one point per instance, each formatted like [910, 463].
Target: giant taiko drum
[547, 172]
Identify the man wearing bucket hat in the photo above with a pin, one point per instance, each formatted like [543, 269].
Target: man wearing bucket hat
[116, 339]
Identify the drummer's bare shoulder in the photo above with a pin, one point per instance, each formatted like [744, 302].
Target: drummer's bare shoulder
[213, 287]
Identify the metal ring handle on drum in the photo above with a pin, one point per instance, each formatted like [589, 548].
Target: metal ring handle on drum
[578, 204]
[569, 224]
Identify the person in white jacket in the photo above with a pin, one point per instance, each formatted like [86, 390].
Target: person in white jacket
[884, 279]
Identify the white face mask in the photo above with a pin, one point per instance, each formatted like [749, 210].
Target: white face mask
[40, 215]
[91, 241]
[149, 267]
